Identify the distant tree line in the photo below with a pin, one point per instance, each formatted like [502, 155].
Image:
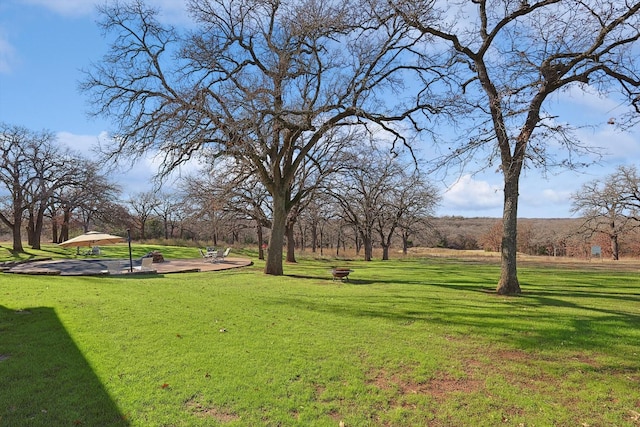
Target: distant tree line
[536, 236]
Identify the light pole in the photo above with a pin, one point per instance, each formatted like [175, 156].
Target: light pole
[130, 257]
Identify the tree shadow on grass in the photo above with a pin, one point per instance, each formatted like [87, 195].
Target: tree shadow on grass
[46, 381]
[538, 319]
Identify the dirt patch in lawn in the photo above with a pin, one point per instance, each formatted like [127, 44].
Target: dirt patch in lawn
[440, 386]
[443, 385]
[204, 411]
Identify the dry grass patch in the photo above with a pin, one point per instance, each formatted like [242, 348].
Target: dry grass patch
[221, 415]
[531, 261]
[439, 387]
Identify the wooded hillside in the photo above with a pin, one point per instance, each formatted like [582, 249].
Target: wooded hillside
[536, 236]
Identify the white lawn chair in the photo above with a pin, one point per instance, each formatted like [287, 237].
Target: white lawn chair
[209, 256]
[217, 256]
[145, 265]
[223, 255]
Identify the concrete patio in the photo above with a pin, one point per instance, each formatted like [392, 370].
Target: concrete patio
[100, 267]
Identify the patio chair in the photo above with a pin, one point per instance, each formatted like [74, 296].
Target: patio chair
[145, 265]
[216, 256]
[208, 256]
[223, 255]
[95, 250]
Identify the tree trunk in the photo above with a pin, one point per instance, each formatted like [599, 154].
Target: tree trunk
[385, 242]
[291, 243]
[385, 252]
[367, 243]
[54, 231]
[615, 252]
[273, 264]
[358, 241]
[31, 224]
[143, 225]
[17, 239]
[314, 237]
[508, 284]
[405, 243]
[16, 231]
[64, 228]
[37, 231]
[260, 242]
[302, 243]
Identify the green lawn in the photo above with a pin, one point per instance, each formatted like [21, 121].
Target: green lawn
[406, 342]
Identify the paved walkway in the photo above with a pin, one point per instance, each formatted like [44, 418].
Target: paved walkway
[110, 266]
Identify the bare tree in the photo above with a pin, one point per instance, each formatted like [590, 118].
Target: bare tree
[167, 211]
[262, 82]
[629, 181]
[21, 151]
[89, 195]
[364, 190]
[143, 206]
[52, 168]
[325, 159]
[412, 205]
[491, 240]
[408, 199]
[248, 199]
[509, 57]
[209, 196]
[318, 213]
[550, 239]
[605, 208]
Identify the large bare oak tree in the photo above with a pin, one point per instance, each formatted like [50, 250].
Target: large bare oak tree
[262, 81]
[509, 57]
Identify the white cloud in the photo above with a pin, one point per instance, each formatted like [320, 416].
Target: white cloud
[618, 146]
[172, 11]
[133, 178]
[550, 199]
[549, 196]
[468, 194]
[83, 144]
[539, 197]
[8, 56]
[589, 98]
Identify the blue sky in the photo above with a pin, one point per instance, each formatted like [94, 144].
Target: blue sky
[44, 45]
